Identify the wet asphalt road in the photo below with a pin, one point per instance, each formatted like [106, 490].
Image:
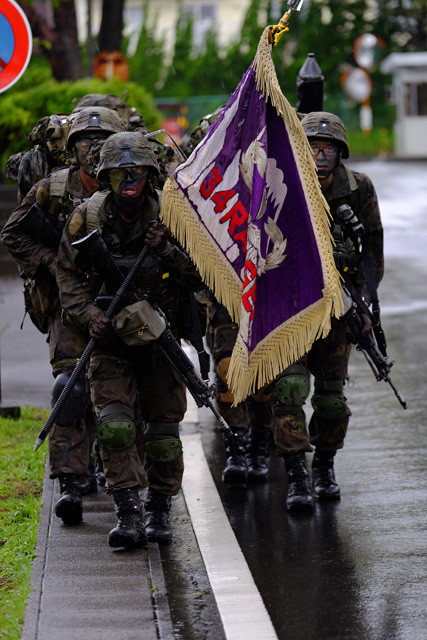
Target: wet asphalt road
[357, 569]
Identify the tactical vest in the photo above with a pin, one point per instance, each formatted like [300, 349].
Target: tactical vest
[93, 207]
[58, 191]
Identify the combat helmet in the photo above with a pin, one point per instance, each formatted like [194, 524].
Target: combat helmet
[57, 131]
[130, 116]
[322, 124]
[128, 149]
[94, 119]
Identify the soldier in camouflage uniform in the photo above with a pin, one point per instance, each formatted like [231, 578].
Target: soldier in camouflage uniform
[251, 420]
[54, 198]
[48, 138]
[328, 358]
[168, 157]
[247, 452]
[130, 381]
[134, 121]
[191, 141]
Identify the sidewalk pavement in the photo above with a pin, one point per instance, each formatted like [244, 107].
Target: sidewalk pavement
[82, 588]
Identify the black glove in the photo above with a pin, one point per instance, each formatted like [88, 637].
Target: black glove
[99, 327]
[156, 236]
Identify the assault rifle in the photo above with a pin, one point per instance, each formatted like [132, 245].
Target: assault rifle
[371, 343]
[38, 223]
[84, 358]
[93, 248]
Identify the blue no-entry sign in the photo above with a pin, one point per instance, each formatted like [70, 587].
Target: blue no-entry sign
[15, 43]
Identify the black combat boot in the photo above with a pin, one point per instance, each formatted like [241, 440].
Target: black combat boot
[87, 484]
[257, 455]
[70, 505]
[235, 471]
[299, 496]
[325, 486]
[129, 531]
[156, 520]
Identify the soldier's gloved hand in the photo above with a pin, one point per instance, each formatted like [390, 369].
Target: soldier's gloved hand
[342, 257]
[156, 236]
[367, 326]
[99, 327]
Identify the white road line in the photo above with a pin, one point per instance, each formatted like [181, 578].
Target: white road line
[240, 605]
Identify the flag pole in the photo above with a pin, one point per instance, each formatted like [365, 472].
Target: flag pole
[277, 30]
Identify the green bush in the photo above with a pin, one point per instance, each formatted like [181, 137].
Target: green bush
[37, 94]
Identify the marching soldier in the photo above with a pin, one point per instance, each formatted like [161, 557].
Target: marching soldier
[354, 207]
[138, 398]
[32, 237]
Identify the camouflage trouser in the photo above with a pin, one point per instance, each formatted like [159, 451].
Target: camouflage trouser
[327, 360]
[144, 380]
[256, 410]
[69, 446]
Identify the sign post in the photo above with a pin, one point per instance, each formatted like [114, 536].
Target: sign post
[16, 43]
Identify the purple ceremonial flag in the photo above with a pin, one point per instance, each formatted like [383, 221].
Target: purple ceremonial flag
[248, 208]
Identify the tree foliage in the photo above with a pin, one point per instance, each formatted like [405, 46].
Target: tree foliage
[24, 104]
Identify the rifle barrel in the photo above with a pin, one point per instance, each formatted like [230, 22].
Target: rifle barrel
[397, 393]
[84, 358]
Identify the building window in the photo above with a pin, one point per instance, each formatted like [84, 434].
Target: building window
[204, 15]
[415, 99]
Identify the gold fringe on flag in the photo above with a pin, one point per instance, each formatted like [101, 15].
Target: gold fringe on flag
[293, 338]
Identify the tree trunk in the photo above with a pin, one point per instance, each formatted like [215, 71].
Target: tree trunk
[110, 33]
[58, 26]
[65, 56]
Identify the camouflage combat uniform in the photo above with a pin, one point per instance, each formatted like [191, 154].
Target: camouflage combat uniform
[137, 382]
[118, 373]
[57, 195]
[48, 138]
[250, 420]
[68, 447]
[328, 358]
[358, 254]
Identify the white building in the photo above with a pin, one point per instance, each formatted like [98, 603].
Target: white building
[409, 94]
[226, 15]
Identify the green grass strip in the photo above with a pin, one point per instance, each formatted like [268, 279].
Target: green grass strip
[21, 484]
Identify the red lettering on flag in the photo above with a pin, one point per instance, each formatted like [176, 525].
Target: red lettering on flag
[212, 180]
[237, 216]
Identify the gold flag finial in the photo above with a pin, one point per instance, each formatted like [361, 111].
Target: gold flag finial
[277, 30]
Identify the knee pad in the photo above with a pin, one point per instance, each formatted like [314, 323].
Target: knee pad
[161, 441]
[221, 370]
[328, 400]
[292, 389]
[116, 427]
[73, 407]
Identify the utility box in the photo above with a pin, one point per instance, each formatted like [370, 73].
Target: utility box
[409, 94]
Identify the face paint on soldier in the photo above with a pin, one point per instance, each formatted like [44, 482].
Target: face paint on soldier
[325, 156]
[128, 182]
[88, 149]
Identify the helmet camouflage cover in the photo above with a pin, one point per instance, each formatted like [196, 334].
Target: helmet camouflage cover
[94, 119]
[127, 149]
[327, 126]
[130, 116]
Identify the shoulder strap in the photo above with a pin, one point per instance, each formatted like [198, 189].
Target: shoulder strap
[93, 206]
[58, 182]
